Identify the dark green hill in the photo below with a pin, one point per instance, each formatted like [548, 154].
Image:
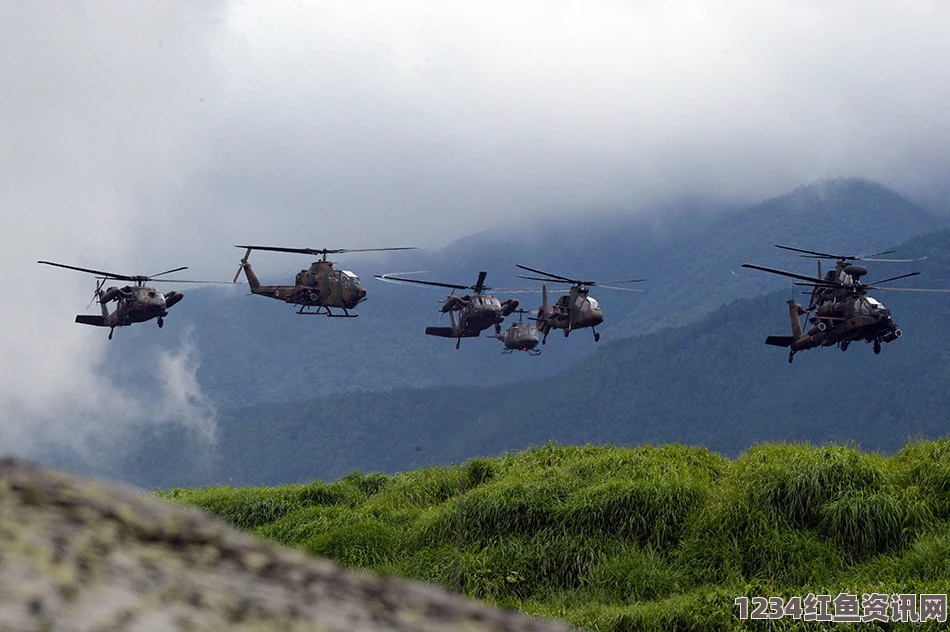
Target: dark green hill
[252, 349]
[652, 538]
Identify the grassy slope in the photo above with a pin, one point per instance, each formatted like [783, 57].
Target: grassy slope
[644, 538]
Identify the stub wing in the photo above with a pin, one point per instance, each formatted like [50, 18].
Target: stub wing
[96, 321]
[780, 341]
[448, 332]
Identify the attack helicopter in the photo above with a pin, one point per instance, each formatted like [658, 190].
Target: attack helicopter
[134, 304]
[317, 288]
[842, 312]
[521, 336]
[475, 313]
[575, 310]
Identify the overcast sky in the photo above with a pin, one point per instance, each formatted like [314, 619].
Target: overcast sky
[139, 136]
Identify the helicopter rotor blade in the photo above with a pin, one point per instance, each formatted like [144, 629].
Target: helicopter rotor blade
[531, 278]
[547, 274]
[321, 251]
[107, 275]
[601, 283]
[481, 281]
[814, 254]
[167, 272]
[190, 281]
[622, 289]
[792, 275]
[904, 289]
[390, 278]
[903, 276]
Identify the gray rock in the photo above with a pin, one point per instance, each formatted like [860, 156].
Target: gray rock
[79, 555]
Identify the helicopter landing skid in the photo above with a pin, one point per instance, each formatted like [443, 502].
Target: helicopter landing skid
[324, 311]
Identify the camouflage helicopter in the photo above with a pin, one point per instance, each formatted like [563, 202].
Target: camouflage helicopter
[521, 336]
[842, 311]
[575, 310]
[476, 312]
[320, 287]
[134, 304]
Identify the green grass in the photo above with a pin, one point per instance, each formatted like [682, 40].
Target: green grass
[648, 538]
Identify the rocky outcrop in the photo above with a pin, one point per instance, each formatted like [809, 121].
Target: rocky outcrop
[78, 555]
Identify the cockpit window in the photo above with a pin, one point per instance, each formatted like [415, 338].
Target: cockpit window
[874, 302]
[593, 302]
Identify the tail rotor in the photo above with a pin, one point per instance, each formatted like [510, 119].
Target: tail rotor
[242, 266]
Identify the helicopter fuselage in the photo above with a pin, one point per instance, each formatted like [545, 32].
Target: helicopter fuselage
[519, 337]
[471, 315]
[850, 320]
[321, 286]
[576, 310]
[133, 305]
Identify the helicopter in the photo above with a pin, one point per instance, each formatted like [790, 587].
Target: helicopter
[842, 310]
[316, 289]
[134, 304]
[476, 312]
[521, 336]
[575, 310]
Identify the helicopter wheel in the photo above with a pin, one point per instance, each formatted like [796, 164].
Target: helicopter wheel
[544, 340]
[791, 356]
[567, 332]
[458, 343]
[111, 331]
[161, 323]
[844, 345]
[596, 337]
[877, 347]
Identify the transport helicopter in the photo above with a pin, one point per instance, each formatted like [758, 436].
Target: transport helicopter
[317, 288]
[576, 310]
[469, 315]
[842, 312]
[134, 304]
[521, 336]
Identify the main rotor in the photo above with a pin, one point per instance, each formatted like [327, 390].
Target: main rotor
[321, 252]
[478, 288]
[550, 277]
[138, 279]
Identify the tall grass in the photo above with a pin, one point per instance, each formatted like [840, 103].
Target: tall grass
[629, 538]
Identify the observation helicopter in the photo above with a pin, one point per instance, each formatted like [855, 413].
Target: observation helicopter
[842, 310]
[134, 304]
[575, 310]
[469, 315]
[317, 288]
[521, 336]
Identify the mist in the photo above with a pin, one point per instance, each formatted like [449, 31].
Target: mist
[139, 138]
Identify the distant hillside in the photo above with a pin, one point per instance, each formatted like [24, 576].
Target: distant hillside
[612, 539]
[712, 383]
[255, 350]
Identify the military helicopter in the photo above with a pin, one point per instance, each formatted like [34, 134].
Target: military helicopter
[521, 336]
[316, 289]
[476, 312]
[135, 304]
[842, 311]
[575, 310]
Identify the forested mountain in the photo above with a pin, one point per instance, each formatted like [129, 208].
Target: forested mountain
[712, 382]
[254, 350]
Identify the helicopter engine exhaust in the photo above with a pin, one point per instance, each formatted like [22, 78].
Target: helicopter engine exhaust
[172, 298]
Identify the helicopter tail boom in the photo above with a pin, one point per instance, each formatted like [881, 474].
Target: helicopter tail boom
[794, 311]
